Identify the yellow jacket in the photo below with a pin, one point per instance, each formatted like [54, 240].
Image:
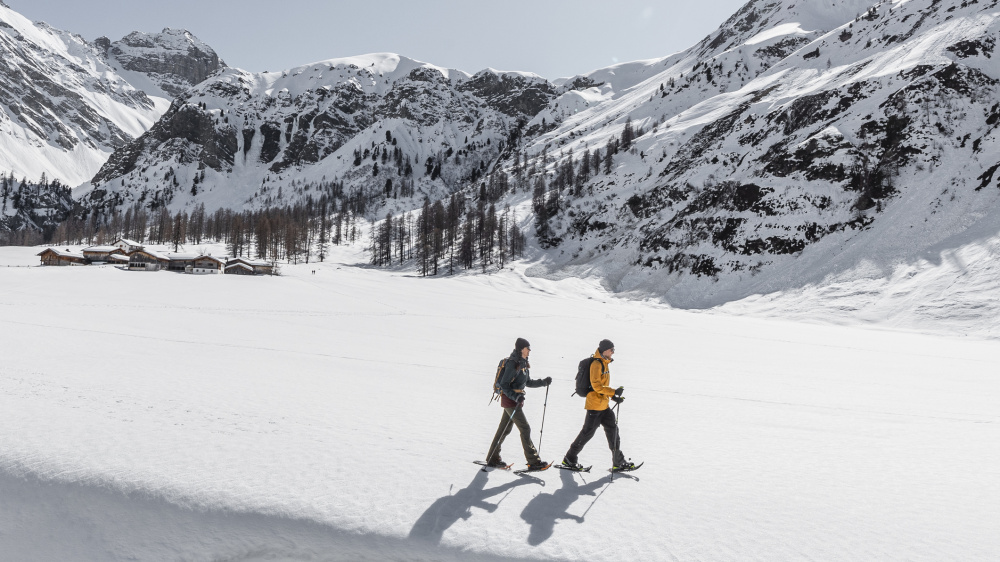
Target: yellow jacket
[600, 379]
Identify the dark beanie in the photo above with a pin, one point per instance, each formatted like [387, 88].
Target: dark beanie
[605, 345]
[520, 344]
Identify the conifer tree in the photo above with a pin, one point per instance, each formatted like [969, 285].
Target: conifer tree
[628, 135]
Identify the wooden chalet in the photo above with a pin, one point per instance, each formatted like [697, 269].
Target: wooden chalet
[244, 266]
[207, 264]
[54, 256]
[102, 254]
[147, 260]
[127, 246]
[180, 262]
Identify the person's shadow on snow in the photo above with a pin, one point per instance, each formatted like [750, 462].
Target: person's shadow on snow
[446, 511]
[544, 509]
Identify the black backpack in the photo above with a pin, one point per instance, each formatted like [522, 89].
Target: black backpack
[583, 377]
[496, 379]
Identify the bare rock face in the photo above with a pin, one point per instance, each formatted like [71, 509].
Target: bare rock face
[174, 59]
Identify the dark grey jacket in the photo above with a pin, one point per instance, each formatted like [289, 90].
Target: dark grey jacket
[515, 376]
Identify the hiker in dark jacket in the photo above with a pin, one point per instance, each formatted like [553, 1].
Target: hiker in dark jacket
[512, 382]
[598, 412]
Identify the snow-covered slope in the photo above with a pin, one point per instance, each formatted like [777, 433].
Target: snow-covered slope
[65, 104]
[333, 415]
[872, 141]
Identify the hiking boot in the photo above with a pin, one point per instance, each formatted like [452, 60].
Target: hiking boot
[496, 463]
[540, 465]
[573, 465]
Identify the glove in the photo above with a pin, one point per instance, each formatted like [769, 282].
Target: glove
[547, 381]
[618, 399]
[520, 399]
[619, 390]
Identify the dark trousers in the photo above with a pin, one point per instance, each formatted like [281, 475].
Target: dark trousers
[506, 425]
[595, 419]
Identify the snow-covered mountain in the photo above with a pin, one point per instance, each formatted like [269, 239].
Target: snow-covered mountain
[381, 123]
[800, 140]
[857, 146]
[310, 123]
[66, 104]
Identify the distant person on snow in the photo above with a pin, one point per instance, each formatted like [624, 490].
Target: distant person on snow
[512, 382]
[598, 412]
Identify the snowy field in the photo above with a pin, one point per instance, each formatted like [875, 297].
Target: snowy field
[332, 416]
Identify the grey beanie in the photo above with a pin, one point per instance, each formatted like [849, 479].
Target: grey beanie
[605, 345]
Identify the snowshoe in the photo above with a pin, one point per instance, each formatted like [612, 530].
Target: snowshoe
[538, 467]
[627, 466]
[574, 466]
[500, 466]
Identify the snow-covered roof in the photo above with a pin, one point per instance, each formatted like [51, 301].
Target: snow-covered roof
[62, 253]
[153, 253]
[129, 242]
[118, 257]
[100, 249]
[220, 259]
[179, 257]
[255, 263]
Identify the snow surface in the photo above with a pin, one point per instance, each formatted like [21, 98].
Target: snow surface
[332, 415]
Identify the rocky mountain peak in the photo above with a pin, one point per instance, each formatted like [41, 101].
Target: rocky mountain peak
[174, 58]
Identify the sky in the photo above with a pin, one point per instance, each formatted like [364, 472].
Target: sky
[554, 39]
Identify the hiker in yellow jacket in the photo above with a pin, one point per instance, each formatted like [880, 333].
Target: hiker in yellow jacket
[598, 412]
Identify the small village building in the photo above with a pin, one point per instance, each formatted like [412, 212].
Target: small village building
[239, 268]
[207, 264]
[102, 254]
[54, 256]
[147, 260]
[180, 262]
[118, 259]
[245, 266]
[127, 246]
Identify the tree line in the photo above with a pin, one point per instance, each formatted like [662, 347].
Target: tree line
[442, 237]
[467, 229]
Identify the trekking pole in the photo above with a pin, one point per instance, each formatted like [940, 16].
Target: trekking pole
[616, 452]
[511, 419]
[541, 432]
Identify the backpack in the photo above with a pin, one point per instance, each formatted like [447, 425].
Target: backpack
[583, 377]
[496, 379]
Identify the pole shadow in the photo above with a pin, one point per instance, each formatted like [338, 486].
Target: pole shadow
[446, 511]
[544, 509]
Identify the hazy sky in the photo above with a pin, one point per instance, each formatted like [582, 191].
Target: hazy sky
[553, 38]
